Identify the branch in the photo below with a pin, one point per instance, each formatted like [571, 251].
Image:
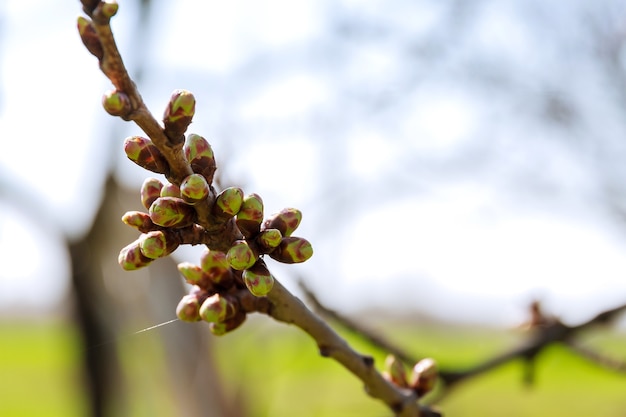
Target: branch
[545, 331]
[226, 286]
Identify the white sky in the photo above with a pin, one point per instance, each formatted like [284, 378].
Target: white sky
[465, 252]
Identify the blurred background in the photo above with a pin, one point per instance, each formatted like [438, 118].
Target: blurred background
[453, 161]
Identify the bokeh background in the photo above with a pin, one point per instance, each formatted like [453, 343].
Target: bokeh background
[454, 161]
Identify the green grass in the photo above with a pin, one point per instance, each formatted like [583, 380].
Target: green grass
[278, 371]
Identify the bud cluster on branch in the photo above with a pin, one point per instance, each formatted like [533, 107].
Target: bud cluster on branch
[172, 219]
[231, 278]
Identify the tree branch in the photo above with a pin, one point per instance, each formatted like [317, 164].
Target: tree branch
[283, 306]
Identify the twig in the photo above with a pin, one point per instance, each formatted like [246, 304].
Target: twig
[284, 306]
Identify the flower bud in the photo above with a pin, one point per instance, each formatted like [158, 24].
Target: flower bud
[172, 212]
[228, 202]
[157, 244]
[200, 156]
[395, 372]
[292, 250]
[170, 190]
[287, 220]
[424, 376]
[240, 256]
[131, 258]
[139, 220]
[217, 308]
[216, 266]
[107, 9]
[144, 153]
[116, 103]
[194, 188]
[250, 215]
[269, 239]
[258, 279]
[178, 115]
[188, 309]
[220, 329]
[90, 38]
[150, 191]
[194, 275]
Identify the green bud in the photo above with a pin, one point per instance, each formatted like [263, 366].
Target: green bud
[172, 212]
[210, 259]
[131, 258]
[292, 250]
[228, 202]
[116, 103]
[157, 244]
[258, 279]
[194, 188]
[107, 8]
[150, 191]
[250, 215]
[90, 38]
[145, 154]
[188, 309]
[194, 275]
[240, 256]
[139, 220]
[217, 308]
[216, 266]
[178, 115]
[170, 190]
[287, 220]
[395, 372]
[424, 376]
[200, 156]
[269, 239]
[220, 329]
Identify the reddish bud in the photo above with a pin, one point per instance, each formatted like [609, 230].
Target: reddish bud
[150, 191]
[157, 244]
[188, 309]
[200, 156]
[217, 308]
[240, 256]
[228, 202]
[194, 188]
[89, 37]
[194, 275]
[116, 103]
[250, 215]
[258, 279]
[131, 258]
[287, 220]
[292, 250]
[216, 266]
[106, 9]
[139, 220]
[178, 115]
[145, 154]
[220, 329]
[172, 212]
[170, 190]
[269, 239]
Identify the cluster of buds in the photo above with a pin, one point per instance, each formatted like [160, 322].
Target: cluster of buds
[421, 380]
[173, 218]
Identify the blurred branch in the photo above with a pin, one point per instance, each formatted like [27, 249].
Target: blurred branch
[544, 331]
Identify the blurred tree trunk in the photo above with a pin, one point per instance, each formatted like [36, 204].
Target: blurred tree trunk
[108, 300]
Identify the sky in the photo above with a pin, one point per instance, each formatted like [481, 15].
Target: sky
[460, 246]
